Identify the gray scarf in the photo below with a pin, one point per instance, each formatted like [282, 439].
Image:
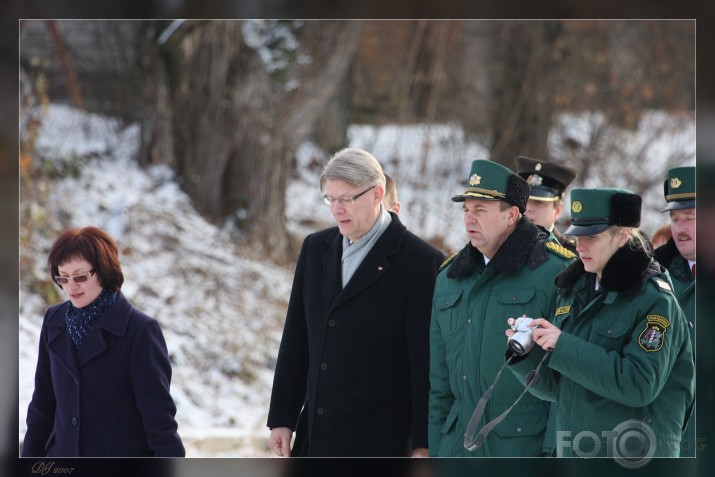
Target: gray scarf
[353, 254]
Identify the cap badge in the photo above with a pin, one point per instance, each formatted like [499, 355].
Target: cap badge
[535, 179]
[675, 183]
[474, 180]
[576, 206]
[538, 167]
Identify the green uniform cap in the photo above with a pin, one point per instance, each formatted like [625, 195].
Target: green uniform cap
[491, 181]
[594, 210]
[679, 188]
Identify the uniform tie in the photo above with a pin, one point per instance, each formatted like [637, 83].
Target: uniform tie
[692, 269]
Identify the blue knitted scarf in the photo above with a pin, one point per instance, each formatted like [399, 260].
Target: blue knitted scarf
[80, 321]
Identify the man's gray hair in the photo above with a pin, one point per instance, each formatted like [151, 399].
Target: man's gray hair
[354, 166]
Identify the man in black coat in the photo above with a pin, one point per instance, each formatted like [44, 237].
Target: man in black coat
[352, 376]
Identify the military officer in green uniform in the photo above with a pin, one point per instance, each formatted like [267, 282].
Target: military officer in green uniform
[620, 363]
[547, 183]
[506, 269]
[678, 256]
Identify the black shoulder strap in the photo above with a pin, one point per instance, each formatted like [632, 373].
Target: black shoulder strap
[471, 443]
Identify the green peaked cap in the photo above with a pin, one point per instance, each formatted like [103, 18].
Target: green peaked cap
[679, 188]
[489, 180]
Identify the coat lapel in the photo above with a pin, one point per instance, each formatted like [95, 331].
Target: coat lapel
[331, 266]
[375, 264]
[92, 346]
[113, 321]
[59, 342]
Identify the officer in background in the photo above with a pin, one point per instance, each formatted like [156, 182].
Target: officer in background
[678, 256]
[507, 269]
[547, 183]
[678, 253]
[390, 201]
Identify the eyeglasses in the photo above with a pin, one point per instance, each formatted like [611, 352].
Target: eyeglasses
[344, 200]
[77, 278]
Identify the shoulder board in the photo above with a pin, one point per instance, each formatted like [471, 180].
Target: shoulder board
[663, 285]
[448, 261]
[560, 250]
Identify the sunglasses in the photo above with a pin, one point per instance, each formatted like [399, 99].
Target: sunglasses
[77, 278]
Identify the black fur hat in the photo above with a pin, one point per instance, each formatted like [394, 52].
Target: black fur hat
[517, 192]
[626, 209]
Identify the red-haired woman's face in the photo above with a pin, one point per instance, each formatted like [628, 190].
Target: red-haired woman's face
[82, 293]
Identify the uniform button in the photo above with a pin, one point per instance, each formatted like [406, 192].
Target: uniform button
[518, 429]
[331, 323]
[74, 421]
[464, 377]
[649, 420]
[610, 331]
[469, 320]
[323, 366]
[320, 411]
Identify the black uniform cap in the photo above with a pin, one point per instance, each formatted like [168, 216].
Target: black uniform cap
[547, 180]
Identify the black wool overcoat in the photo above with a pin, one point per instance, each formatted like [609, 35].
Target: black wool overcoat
[356, 359]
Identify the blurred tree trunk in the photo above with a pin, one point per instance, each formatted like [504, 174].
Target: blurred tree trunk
[331, 128]
[521, 66]
[66, 65]
[234, 125]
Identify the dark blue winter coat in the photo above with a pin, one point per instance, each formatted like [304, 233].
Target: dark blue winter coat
[110, 397]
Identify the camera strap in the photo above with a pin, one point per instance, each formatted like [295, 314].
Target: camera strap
[470, 442]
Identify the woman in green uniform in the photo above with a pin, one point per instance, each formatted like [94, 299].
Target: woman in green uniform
[621, 365]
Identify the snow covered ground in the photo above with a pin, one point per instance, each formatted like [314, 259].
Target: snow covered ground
[221, 307]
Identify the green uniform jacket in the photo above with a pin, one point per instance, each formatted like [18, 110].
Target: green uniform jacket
[569, 243]
[470, 307]
[623, 354]
[684, 288]
[683, 281]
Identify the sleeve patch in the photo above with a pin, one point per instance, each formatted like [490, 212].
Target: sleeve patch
[560, 250]
[653, 335]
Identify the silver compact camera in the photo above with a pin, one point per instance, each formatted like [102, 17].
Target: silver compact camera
[522, 340]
